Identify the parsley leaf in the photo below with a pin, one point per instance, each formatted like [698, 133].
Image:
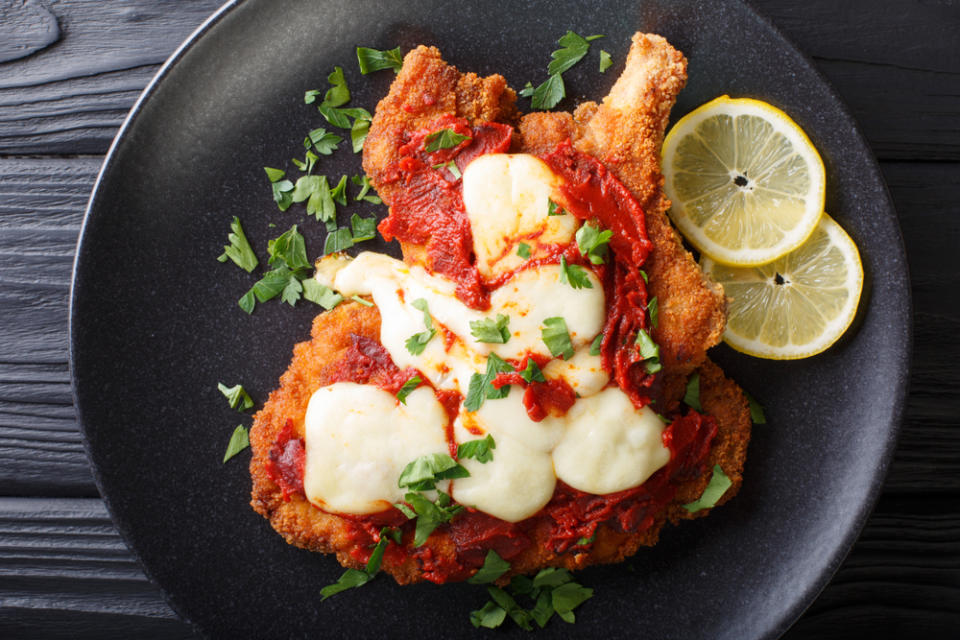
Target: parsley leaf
[527, 90]
[490, 330]
[274, 175]
[320, 294]
[282, 194]
[552, 591]
[718, 485]
[490, 616]
[756, 410]
[358, 132]
[532, 373]
[481, 449]
[338, 94]
[605, 61]
[238, 398]
[371, 60]
[418, 342]
[338, 240]
[364, 183]
[443, 139]
[430, 515]
[643, 274]
[568, 597]
[523, 250]
[596, 344]
[323, 142]
[574, 275]
[649, 351]
[239, 441]
[353, 578]
[583, 542]
[291, 292]
[557, 337]
[290, 249]
[517, 613]
[339, 192]
[692, 396]
[481, 389]
[239, 249]
[423, 473]
[653, 308]
[360, 300]
[549, 94]
[307, 164]
[363, 228]
[450, 166]
[553, 209]
[408, 388]
[593, 243]
[574, 48]
[493, 567]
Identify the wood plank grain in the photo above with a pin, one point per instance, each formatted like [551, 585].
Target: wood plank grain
[41, 208]
[71, 97]
[62, 563]
[25, 27]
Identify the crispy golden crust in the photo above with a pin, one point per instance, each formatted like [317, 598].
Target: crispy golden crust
[626, 132]
[305, 526]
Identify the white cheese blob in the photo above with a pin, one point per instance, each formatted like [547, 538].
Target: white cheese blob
[528, 299]
[514, 485]
[609, 445]
[583, 372]
[358, 441]
[506, 198]
[508, 416]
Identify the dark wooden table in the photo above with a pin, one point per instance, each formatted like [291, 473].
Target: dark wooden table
[70, 70]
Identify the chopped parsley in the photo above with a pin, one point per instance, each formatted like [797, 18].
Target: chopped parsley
[274, 174]
[553, 209]
[423, 473]
[574, 275]
[364, 183]
[718, 485]
[549, 94]
[238, 398]
[408, 388]
[320, 294]
[493, 567]
[353, 578]
[363, 228]
[239, 441]
[756, 410]
[596, 344]
[490, 330]
[583, 542]
[481, 389]
[532, 372]
[365, 303]
[557, 337]
[450, 166]
[692, 396]
[593, 243]
[239, 249]
[429, 515]
[551, 591]
[307, 163]
[443, 139]
[523, 250]
[288, 255]
[643, 274]
[605, 61]
[653, 308]
[418, 342]
[573, 48]
[338, 240]
[371, 60]
[282, 189]
[480, 450]
[316, 191]
[649, 351]
[339, 192]
[321, 141]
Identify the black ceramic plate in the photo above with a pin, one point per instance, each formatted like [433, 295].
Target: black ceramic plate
[155, 325]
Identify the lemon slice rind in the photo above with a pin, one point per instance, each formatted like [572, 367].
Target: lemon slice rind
[704, 233]
[807, 274]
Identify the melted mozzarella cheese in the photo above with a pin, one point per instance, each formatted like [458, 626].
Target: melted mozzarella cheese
[506, 198]
[583, 372]
[528, 299]
[609, 445]
[508, 416]
[514, 485]
[358, 441]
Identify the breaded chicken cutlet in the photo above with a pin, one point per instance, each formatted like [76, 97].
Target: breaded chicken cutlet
[624, 132]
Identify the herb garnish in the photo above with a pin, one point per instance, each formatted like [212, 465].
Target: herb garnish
[595, 345]
[593, 243]
[374, 60]
[719, 483]
[365, 303]
[423, 473]
[692, 396]
[408, 388]
[557, 337]
[320, 294]
[353, 578]
[450, 166]
[490, 330]
[605, 61]
[481, 389]
[239, 441]
[573, 48]
[288, 254]
[282, 189]
[532, 372]
[418, 342]
[552, 591]
[363, 228]
[364, 183]
[649, 351]
[523, 250]
[239, 249]
[574, 275]
[653, 308]
[339, 239]
[481, 450]
[493, 567]
[429, 515]
[323, 142]
[553, 209]
[237, 396]
[756, 410]
[443, 139]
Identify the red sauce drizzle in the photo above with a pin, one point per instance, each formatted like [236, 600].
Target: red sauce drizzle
[429, 209]
[540, 399]
[285, 461]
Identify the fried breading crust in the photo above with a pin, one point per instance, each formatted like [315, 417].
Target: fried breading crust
[306, 526]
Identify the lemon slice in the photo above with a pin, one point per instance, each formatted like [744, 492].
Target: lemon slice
[797, 305]
[746, 183]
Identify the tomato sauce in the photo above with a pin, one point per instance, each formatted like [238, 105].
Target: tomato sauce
[429, 211]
